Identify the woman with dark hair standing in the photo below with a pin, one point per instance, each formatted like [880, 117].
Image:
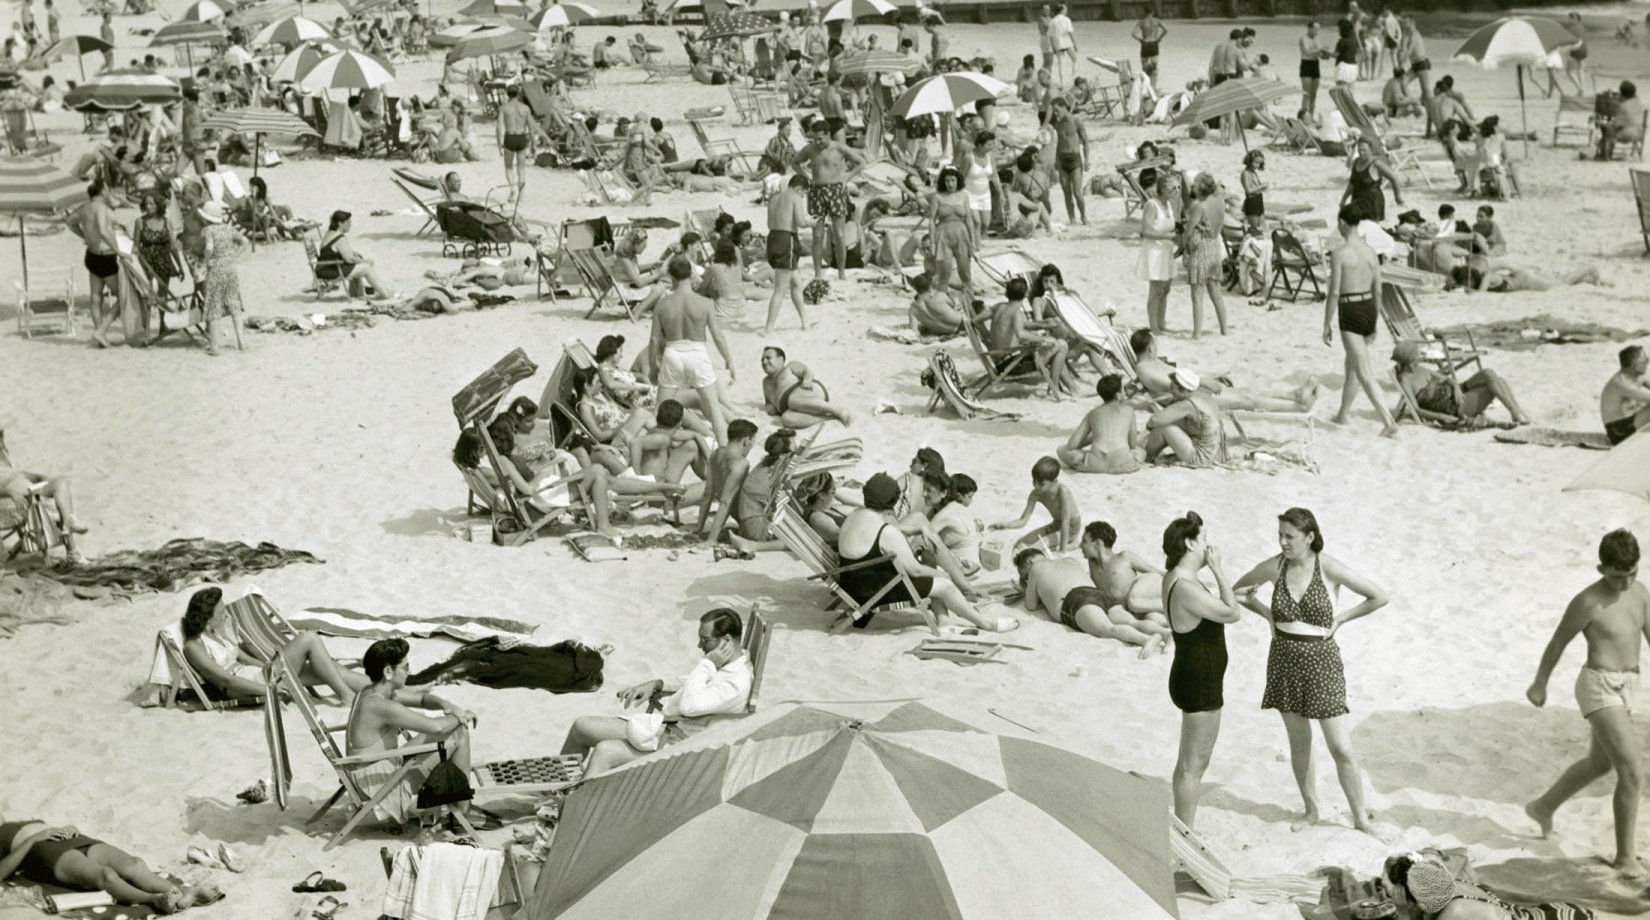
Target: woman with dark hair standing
[1346, 55]
[1305, 680]
[952, 236]
[1197, 677]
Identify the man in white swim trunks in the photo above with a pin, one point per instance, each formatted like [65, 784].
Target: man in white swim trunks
[1613, 613]
[681, 322]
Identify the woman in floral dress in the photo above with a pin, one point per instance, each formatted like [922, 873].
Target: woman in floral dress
[222, 286]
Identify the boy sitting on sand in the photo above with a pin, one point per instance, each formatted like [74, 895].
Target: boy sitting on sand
[1047, 490]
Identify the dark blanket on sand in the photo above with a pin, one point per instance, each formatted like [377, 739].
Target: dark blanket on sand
[176, 565]
[566, 667]
[1533, 331]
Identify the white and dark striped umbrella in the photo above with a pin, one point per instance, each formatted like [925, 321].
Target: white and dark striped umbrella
[256, 121]
[948, 92]
[494, 7]
[77, 45]
[188, 32]
[875, 61]
[561, 15]
[452, 35]
[203, 11]
[1528, 41]
[348, 70]
[294, 30]
[296, 64]
[1626, 468]
[28, 185]
[489, 41]
[854, 9]
[120, 90]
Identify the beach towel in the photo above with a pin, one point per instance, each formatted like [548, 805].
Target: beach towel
[174, 566]
[341, 621]
[1531, 332]
[566, 667]
[1553, 437]
[442, 881]
[593, 547]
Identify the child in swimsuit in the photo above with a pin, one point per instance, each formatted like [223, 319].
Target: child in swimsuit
[1057, 497]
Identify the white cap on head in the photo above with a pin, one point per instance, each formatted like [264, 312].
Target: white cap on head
[1185, 379]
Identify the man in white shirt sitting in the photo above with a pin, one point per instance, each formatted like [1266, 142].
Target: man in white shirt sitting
[719, 684]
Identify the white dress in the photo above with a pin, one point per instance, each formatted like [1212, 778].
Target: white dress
[1156, 261]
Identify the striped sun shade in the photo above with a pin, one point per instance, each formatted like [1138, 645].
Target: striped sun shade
[188, 32]
[123, 89]
[948, 93]
[348, 70]
[256, 121]
[1531, 41]
[27, 184]
[293, 30]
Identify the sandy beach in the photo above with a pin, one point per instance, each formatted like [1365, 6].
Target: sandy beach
[338, 443]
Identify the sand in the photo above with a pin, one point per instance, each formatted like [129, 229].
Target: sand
[337, 443]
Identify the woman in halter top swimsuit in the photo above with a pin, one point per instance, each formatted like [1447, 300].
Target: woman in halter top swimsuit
[1305, 680]
[1197, 676]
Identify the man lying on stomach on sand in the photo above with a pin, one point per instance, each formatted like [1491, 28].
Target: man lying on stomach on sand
[228, 666]
[1106, 440]
[791, 392]
[1612, 613]
[1060, 587]
[1154, 373]
[1625, 403]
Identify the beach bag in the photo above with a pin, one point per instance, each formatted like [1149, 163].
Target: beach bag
[816, 291]
[446, 785]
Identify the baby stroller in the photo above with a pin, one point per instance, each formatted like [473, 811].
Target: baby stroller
[471, 230]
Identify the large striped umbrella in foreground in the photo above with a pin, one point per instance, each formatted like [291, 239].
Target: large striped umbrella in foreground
[1626, 468]
[348, 70]
[947, 93]
[1521, 41]
[860, 810]
[1230, 98]
[29, 185]
[294, 30]
[122, 90]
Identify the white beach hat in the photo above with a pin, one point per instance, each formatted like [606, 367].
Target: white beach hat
[1188, 380]
[212, 212]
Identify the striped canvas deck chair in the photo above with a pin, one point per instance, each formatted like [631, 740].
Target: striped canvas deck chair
[1641, 195]
[1095, 331]
[802, 541]
[1003, 265]
[183, 686]
[428, 207]
[1135, 197]
[949, 391]
[599, 282]
[1000, 366]
[31, 528]
[1399, 315]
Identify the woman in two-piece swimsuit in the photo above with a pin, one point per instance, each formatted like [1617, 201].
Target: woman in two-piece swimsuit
[1305, 679]
[1197, 676]
[64, 856]
[951, 236]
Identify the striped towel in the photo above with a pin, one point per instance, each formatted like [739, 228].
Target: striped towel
[442, 881]
[339, 621]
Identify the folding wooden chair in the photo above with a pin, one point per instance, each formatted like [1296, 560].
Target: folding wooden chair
[1004, 265]
[1000, 366]
[318, 268]
[1094, 331]
[556, 404]
[1135, 197]
[1641, 195]
[47, 300]
[1565, 127]
[599, 282]
[1399, 315]
[948, 390]
[185, 686]
[722, 146]
[428, 207]
[31, 527]
[802, 541]
[1292, 267]
[556, 272]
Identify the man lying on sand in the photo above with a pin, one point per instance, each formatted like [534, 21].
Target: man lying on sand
[232, 671]
[1625, 403]
[1106, 440]
[719, 684]
[1060, 587]
[790, 391]
[1155, 373]
[64, 856]
[1116, 573]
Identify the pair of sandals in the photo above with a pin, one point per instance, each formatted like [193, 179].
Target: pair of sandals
[317, 882]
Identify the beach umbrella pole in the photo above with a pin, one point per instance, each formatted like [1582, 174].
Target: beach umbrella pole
[81, 59]
[23, 241]
[1523, 114]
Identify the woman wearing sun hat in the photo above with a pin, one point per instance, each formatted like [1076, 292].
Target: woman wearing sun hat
[222, 286]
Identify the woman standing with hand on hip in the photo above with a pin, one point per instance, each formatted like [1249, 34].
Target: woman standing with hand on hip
[1305, 680]
[1197, 677]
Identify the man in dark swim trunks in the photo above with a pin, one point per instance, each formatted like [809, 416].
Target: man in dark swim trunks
[96, 225]
[516, 128]
[1355, 294]
[1061, 587]
[786, 218]
[790, 392]
[831, 165]
[1625, 402]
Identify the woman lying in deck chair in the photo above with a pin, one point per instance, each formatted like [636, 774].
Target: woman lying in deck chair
[550, 490]
[229, 668]
[1442, 400]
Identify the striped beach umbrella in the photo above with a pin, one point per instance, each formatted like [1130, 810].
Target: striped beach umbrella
[1232, 97]
[562, 15]
[122, 90]
[299, 61]
[948, 92]
[294, 30]
[1626, 468]
[35, 186]
[860, 810]
[875, 61]
[348, 69]
[854, 9]
[203, 11]
[188, 33]
[677, 6]
[450, 36]
[1519, 41]
[737, 24]
[494, 7]
[77, 45]
[488, 42]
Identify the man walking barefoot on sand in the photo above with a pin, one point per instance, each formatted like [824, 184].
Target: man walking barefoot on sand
[1355, 294]
[829, 162]
[681, 322]
[1612, 613]
[787, 217]
[516, 128]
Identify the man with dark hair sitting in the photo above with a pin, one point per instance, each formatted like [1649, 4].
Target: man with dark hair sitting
[216, 652]
[720, 684]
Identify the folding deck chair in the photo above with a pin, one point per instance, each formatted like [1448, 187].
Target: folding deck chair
[556, 405]
[428, 207]
[948, 390]
[1135, 199]
[999, 366]
[1094, 330]
[165, 312]
[182, 685]
[318, 268]
[1402, 159]
[722, 146]
[1399, 315]
[610, 186]
[46, 300]
[1112, 100]
[363, 785]
[1003, 265]
[599, 282]
[555, 271]
[1573, 106]
[1641, 195]
[802, 541]
[32, 527]
[658, 70]
[1292, 267]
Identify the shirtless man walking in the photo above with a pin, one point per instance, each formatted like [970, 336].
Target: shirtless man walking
[1355, 295]
[1625, 403]
[831, 165]
[1104, 441]
[790, 392]
[516, 128]
[787, 218]
[1060, 586]
[1612, 613]
[681, 322]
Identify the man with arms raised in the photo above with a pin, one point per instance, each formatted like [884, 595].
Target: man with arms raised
[1625, 402]
[1612, 614]
[1104, 441]
[831, 164]
[681, 322]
